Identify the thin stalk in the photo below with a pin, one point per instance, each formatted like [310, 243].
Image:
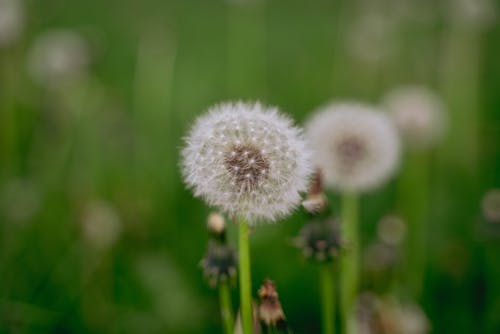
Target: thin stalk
[326, 281]
[349, 271]
[226, 307]
[245, 278]
[414, 194]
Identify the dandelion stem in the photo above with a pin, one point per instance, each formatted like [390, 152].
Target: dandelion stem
[414, 193]
[245, 278]
[226, 307]
[349, 279]
[326, 278]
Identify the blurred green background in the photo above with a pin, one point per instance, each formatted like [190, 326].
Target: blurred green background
[97, 232]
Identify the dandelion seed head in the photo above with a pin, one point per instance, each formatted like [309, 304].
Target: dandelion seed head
[101, 224]
[355, 145]
[418, 114]
[57, 57]
[11, 21]
[491, 206]
[262, 167]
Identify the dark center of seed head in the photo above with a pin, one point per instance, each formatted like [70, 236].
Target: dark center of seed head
[351, 150]
[248, 166]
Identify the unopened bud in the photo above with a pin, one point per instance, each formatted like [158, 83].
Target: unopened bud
[270, 312]
[216, 223]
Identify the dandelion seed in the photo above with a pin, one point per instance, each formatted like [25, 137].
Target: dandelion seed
[355, 146]
[257, 179]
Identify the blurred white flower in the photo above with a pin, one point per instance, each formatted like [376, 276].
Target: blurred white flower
[58, 57]
[391, 229]
[387, 315]
[101, 224]
[418, 114]
[248, 160]
[19, 200]
[491, 205]
[355, 146]
[476, 13]
[11, 21]
[371, 37]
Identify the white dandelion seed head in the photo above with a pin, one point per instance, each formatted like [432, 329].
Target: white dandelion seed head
[11, 21]
[355, 146]
[248, 160]
[490, 205]
[371, 38]
[473, 13]
[57, 57]
[101, 224]
[418, 114]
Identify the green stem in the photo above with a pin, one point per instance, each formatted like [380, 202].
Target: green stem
[245, 278]
[225, 307]
[327, 297]
[349, 279]
[414, 193]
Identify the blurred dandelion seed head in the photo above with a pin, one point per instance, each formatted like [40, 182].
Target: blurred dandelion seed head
[490, 206]
[58, 57]
[418, 114]
[387, 315]
[475, 13]
[20, 200]
[355, 145]
[248, 160]
[11, 21]
[371, 38]
[391, 229]
[101, 224]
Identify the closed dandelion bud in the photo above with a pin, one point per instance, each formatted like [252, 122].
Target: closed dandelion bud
[320, 240]
[216, 226]
[316, 201]
[270, 312]
[355, 145]
[248, 160]
[219, 264]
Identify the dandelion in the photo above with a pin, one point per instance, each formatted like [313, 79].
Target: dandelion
[355, 145]
[58, 57]
[270, 312]
[491, 205]
[357, 149]
[418, 114]
[11, 21]
[101, 224]
[475, 13]
[371, 38]
[252, 163]
[391, 230]
[20, 200]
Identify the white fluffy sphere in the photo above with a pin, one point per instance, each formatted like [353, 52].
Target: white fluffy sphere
[11, 21]
[58, 57]
[248, 160]
[418, 114]
[355, 145]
